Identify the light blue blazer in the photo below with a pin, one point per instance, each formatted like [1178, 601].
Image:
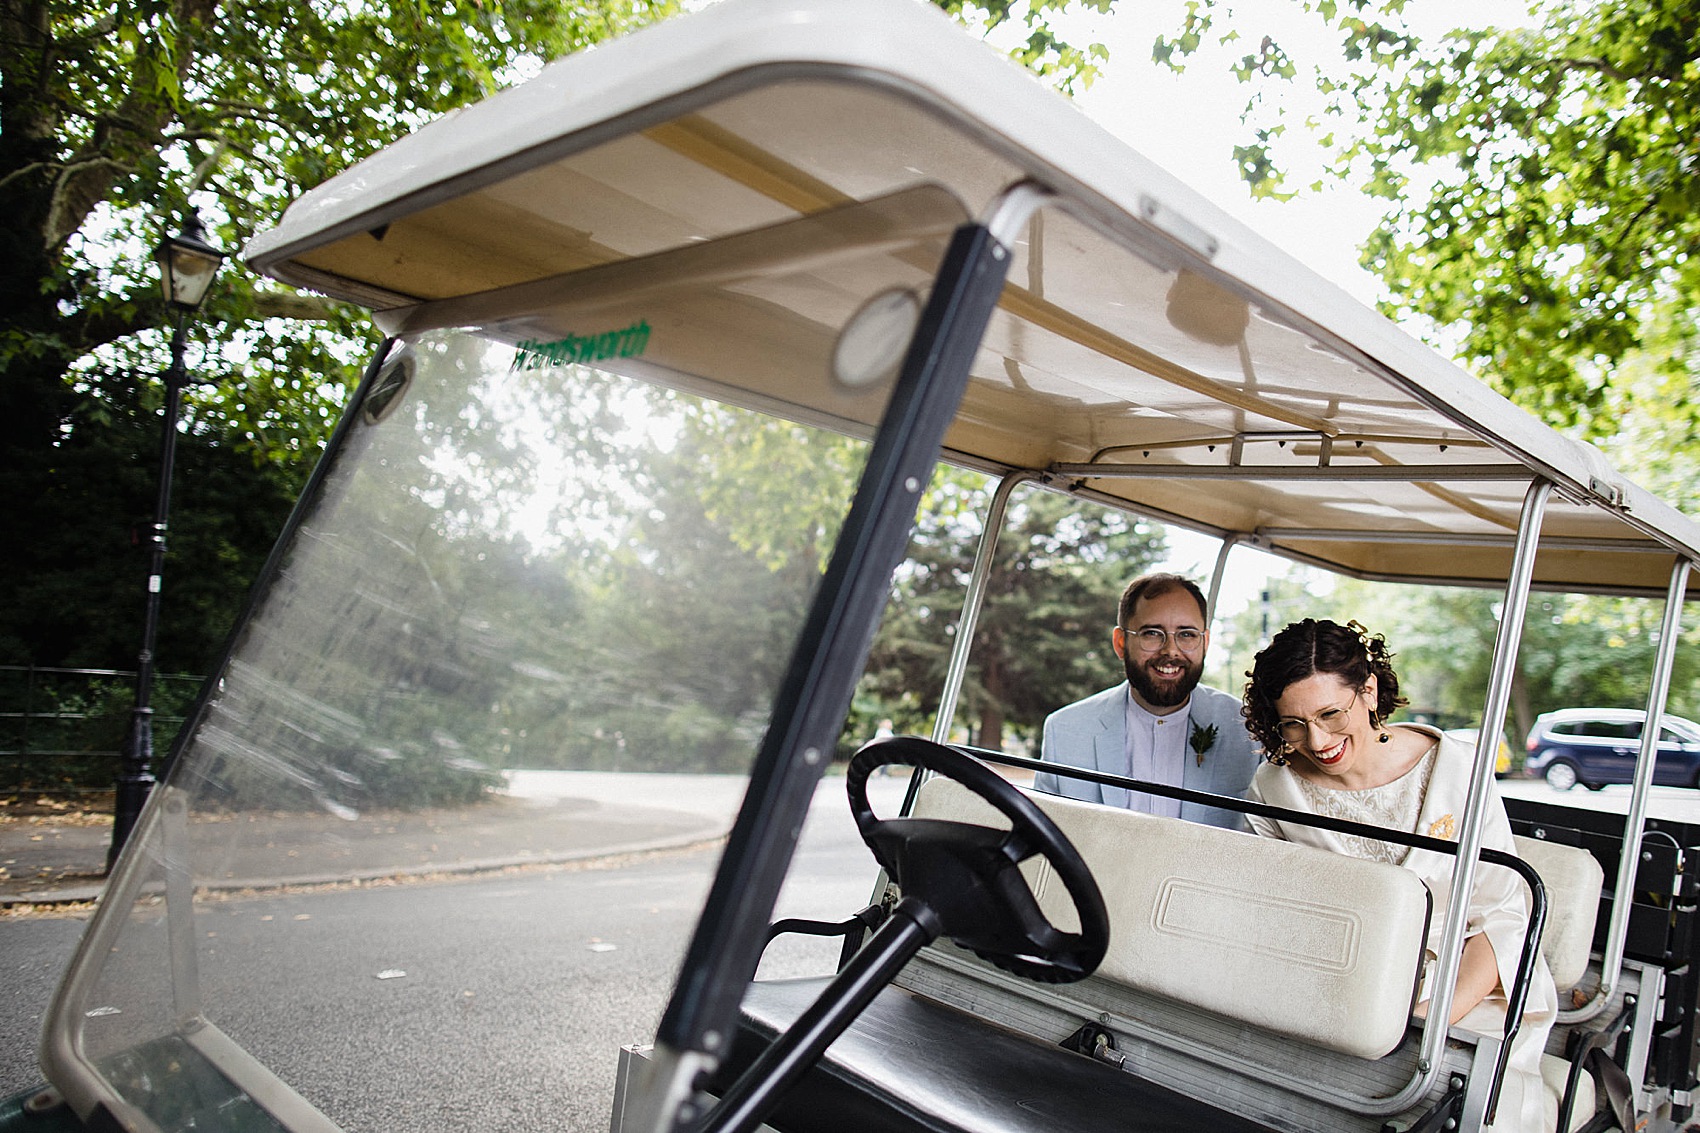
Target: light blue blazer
[1092, 733]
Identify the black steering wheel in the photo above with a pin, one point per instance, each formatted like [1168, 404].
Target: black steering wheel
[969, 875]
[959, 880]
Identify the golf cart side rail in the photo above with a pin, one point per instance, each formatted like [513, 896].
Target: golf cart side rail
[1516, 996]
[1634, 823]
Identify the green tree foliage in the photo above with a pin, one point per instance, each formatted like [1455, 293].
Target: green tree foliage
[1044, 51]
[1658, 436]
[112, 120]
[1541, 213]
[82, 511]
[694, 611]
[116, 117]
[1559, 238]
[631, 607]
[1043, 636]
[1542, 202]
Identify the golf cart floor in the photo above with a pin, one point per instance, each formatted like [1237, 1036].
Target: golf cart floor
[912, 1063]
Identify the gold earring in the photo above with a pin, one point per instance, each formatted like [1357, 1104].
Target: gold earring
[1375, 722]
[1280, 756]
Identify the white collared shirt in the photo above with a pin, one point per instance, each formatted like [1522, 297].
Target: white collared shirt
[1156, 752]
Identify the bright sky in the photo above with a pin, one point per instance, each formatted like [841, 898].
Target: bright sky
[1189, 124]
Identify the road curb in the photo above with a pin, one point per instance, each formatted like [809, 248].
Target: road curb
[708, 835]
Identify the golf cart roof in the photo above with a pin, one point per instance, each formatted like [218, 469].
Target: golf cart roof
[1148, 349]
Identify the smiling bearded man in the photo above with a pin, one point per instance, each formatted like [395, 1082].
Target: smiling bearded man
[1161, 725]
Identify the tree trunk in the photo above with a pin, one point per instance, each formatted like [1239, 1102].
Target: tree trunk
[1522, 713]
[991, 726]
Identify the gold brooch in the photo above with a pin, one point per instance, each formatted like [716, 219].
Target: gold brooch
[1443, 827]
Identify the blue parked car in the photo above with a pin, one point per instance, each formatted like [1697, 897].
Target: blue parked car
[1596, 746]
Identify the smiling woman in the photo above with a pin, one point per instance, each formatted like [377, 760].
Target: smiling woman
[1318, 699]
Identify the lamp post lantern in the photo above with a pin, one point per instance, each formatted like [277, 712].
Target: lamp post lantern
[187, 265]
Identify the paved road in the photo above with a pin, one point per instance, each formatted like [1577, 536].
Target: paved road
[33, 952]
[518, 987]
[518, 990]
[1678, 804]
[509, 1014]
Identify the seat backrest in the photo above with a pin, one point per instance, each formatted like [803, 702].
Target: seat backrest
[1284, 937]
[1574, 880]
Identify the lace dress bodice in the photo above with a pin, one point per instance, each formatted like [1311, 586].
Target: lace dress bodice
[1396, 805]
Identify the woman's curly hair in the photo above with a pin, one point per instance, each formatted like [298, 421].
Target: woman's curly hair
[1349, 652]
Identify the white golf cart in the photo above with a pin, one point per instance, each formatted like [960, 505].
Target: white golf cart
[658, 314]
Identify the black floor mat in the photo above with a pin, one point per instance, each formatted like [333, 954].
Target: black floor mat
[909, 1063]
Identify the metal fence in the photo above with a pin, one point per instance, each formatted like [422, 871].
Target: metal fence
[61, 730]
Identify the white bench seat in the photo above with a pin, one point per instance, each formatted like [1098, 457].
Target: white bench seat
[1283, 937]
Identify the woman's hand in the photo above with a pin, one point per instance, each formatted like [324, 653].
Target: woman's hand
[1478, 978]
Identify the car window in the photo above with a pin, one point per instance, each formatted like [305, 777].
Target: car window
[1611, 729]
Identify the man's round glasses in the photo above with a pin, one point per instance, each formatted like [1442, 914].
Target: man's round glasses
[1335, 720]
[1151, 639]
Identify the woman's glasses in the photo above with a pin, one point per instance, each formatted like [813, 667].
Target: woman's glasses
[1335, 720]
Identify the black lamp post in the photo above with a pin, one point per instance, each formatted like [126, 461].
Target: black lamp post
[187, 266]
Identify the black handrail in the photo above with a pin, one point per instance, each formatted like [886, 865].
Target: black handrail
[1516, 998]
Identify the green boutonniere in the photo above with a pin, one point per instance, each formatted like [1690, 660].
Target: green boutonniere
[1201, 740]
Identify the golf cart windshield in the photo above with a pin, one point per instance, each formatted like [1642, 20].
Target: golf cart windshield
[546, 545]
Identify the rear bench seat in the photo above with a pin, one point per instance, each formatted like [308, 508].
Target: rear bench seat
[1284, 938]
[1574, 881]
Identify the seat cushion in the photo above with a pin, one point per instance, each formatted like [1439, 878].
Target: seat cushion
[1573, 880]
[1555, 1072]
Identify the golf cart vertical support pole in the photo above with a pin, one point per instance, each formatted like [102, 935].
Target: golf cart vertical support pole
[1451, 944]
[1216, 574]
[696, 1028]
[984, 555]
[1629, 859]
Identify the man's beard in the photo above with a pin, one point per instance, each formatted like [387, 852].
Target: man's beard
[1167, 694]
